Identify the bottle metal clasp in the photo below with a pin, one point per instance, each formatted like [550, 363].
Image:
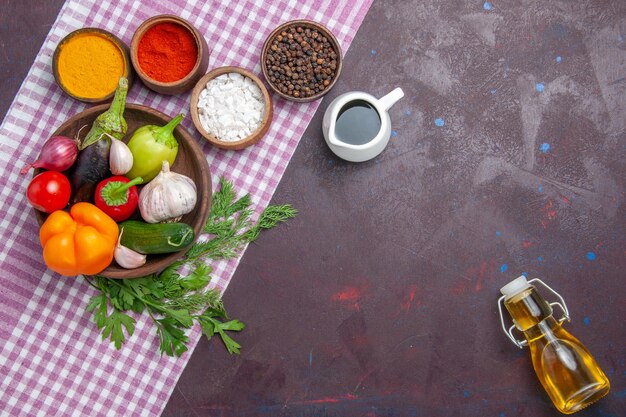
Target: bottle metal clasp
[561, 304]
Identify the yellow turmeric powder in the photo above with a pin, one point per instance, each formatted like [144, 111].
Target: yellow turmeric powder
[90, 65]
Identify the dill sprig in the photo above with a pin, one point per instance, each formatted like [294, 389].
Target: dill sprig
[174, 299]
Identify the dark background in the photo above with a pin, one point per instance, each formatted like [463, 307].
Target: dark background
[379, 299]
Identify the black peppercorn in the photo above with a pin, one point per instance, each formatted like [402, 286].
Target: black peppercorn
[301, 62]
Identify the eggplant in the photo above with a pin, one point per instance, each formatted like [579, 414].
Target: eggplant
[92, 163]
[91, 167]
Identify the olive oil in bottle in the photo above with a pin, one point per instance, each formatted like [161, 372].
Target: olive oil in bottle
[566, 369]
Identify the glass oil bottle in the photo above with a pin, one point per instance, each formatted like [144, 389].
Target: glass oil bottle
[566, 369]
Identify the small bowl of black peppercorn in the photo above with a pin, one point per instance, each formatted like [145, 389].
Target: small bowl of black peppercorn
[301, 60]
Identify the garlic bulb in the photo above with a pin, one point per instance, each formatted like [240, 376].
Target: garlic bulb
[167, 197]
[120, 158]
[127, 258]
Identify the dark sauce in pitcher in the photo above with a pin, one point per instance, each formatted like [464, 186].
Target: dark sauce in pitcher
[358, 123]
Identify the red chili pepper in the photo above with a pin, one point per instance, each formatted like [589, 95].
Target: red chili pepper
[117, 196]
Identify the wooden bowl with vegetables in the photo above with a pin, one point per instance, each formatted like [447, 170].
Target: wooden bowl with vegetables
[189, 161]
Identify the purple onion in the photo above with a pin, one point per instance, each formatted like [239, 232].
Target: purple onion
[57, 154]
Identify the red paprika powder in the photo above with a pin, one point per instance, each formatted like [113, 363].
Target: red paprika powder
[167, 52]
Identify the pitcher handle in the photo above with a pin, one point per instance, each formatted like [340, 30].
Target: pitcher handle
[390, 99]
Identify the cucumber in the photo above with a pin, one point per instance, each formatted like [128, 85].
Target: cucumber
[151, 239]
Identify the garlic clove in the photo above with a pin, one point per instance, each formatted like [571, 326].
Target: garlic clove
[126, 257]
[120, 158]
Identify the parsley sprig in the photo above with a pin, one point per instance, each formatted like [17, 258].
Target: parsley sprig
[178, 297]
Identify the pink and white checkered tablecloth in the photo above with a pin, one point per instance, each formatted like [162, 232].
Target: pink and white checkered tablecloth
[52, 359]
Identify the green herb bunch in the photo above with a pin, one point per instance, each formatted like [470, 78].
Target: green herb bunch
[174, 299]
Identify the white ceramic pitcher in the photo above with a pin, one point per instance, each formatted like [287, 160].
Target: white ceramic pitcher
[369, 150]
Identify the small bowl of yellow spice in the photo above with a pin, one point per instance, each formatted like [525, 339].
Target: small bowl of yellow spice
[88, 63]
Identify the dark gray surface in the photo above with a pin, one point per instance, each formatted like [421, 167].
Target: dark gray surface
[24, 25]
[379, 299]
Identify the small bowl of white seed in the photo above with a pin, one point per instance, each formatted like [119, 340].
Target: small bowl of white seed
[231, 108]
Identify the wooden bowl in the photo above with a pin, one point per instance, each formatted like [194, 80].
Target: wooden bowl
[128, 70]
[255, 136]
[184, 84]
[286, 27]
[190, 161]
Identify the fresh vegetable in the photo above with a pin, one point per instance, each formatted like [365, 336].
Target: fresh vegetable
[57, 154]
[167, 197]
[120, 158]
[156, 238]
[174, 299]
[79, 242]
[49, 191]
[117, 196]
[92, 164]
[112, 121]
[150, 146]
[128, 258]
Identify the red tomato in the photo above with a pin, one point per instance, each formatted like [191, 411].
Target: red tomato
[49, 191]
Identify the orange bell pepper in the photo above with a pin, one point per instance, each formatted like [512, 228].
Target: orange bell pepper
[79, 242]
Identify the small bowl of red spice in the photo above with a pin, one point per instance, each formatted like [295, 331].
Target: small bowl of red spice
[169, 54]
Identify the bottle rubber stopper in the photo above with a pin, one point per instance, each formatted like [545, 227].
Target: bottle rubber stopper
[516, 286]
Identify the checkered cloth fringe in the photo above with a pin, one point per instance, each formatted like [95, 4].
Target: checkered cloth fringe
[52, 359]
